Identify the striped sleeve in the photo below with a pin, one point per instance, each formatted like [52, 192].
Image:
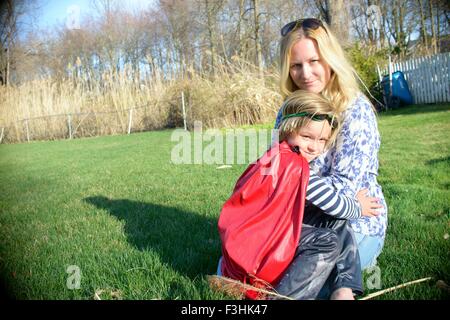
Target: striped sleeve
[330, 201]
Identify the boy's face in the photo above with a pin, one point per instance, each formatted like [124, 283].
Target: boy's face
[311, 139]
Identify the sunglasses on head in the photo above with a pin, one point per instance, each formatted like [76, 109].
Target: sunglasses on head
[315, 117]
[309, 23]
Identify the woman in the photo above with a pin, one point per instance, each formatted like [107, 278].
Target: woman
[313, 60]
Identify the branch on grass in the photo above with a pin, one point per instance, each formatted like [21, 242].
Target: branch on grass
[237, 289]
[379, 293]
[115, 294]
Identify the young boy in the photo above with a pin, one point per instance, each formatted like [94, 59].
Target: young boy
[326, 252]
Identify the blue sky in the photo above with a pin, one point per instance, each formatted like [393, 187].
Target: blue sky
[58, 11]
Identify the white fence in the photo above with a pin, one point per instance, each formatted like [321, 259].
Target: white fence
[428, 77]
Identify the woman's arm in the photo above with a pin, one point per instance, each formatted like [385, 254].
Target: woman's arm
[322, 193]
[337, 204]
[331, 202]
[355, 153]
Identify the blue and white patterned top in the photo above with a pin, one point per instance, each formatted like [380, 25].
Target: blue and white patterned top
[352, 163]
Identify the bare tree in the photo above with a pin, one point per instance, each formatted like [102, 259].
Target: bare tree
[211, 9]
[334, 13]
[442, 22]
[401, 22]
[11, 13]
[433, 26]
[423, 28]
[240, 26]
[258, 52]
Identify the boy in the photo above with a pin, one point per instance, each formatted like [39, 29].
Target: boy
[326, 248]
[310, 126]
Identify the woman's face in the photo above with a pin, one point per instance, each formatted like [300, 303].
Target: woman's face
[306, 68]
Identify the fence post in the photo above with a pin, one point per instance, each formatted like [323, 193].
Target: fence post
[69, 123]
[446, 76]
[380, 77]
[429, 80]
[184, 110]
[129, 121]
[438, 68]
[1, 135]
[390, 82]
[420, 86]
[28, 130]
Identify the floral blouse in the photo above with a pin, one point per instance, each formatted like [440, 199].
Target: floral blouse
[352, 163]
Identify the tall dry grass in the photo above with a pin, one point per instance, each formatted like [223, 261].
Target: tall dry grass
[40, 109]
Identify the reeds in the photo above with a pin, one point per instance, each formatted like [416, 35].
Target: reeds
[81, 106]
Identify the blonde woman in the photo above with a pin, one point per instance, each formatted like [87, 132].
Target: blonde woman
[313, 60]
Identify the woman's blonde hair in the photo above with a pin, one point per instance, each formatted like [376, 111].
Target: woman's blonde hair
[342, 87]
[313, 105]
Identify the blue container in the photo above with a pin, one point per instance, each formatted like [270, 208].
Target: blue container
[400, 90]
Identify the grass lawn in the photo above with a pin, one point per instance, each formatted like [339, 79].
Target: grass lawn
[139, 227]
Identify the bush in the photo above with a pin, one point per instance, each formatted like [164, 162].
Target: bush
[365, 64]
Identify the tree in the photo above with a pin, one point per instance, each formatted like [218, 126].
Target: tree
[334, 13]
[258, 52]
[212, 8]
[10, 14]
[423, 28]
[433, 26]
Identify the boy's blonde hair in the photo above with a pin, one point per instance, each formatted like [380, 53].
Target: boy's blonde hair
[314, 105]
[342, 87]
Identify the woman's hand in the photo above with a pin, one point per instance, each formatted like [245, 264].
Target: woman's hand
[368, 204]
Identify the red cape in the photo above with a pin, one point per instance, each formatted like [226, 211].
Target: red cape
[260, 223]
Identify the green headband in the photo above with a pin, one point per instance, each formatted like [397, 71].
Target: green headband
[315, 117]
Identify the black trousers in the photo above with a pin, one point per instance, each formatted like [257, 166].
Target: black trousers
[326, 259]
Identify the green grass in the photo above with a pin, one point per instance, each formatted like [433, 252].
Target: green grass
[137, 225]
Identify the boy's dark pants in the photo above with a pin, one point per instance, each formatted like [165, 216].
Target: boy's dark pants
[326, 259]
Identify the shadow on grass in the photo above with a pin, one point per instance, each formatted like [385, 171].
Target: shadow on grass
[186, 241]
[416, 109]
[439, 160]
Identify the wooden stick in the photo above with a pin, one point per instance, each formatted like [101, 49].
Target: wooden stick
[97, 294]
[379, 293]
[247, 286]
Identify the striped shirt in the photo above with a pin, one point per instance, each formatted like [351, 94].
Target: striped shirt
[329, 200]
